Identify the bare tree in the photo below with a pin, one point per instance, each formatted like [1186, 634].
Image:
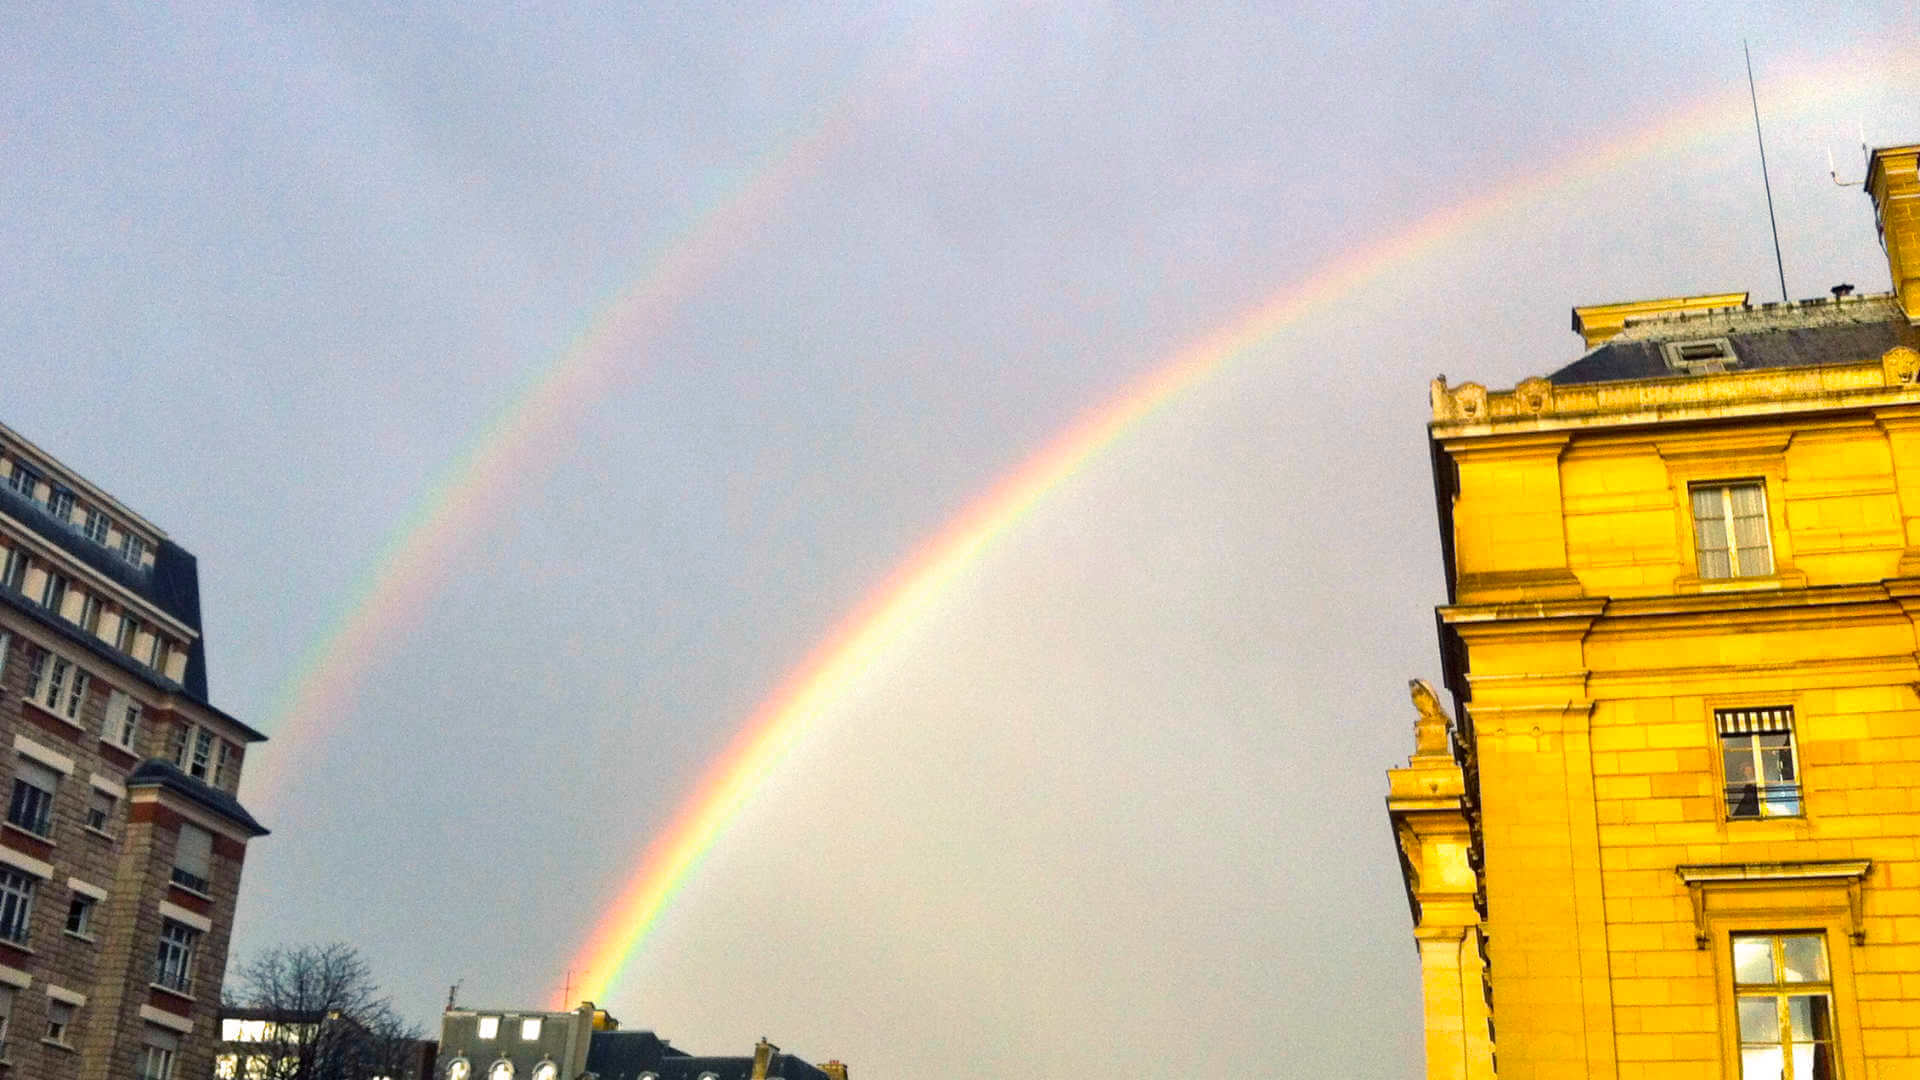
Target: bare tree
[313, 1012]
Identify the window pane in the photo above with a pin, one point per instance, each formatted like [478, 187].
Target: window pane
[1715, 563]
[1753, 960]
[1747, 501]
[1706, 504]
[1805, 958]
[1762, 1063]
[1753, 561]
[1759, 1020]
[1810, 1017]
[1814, 1062]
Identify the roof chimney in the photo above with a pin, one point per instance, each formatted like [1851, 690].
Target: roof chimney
[1598, 322]
[1895, 187]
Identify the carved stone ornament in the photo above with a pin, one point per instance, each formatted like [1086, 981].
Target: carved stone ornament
[1430, 731]
[1535, 395]
[1901, 366]
[1468, 401]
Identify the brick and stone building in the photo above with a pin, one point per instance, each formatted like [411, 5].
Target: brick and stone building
[122, 843]
[1675, 829]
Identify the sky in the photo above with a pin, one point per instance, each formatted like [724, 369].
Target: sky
[541, 389]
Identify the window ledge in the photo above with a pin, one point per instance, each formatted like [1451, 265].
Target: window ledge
[18, 946]
[1779, 579]
[88, 938]
[101, 833]
[43, 838]
[104, 741]
[74, 724]
[190, 890]
[1848, 874]
[183, 995]
[68, 1047]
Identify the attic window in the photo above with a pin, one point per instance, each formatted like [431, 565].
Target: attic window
[1702, 357]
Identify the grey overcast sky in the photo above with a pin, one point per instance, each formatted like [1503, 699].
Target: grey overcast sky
[1115, 800]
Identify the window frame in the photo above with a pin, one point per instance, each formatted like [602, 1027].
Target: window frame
[1751, 724]
[16, 905]
[122, 731]
[80, 909]
[174, 953]
[94, 525]
[1733, 548]
[198, 853]
[30, 805]
[70, 687]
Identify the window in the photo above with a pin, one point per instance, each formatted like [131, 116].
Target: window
[100, 808]
[193, 858]
[1756, 746]
[23, 479]
[32, 805]
[156, 653]
[530, 1029]
[80, 915]
[1730, 530]
[58, 685]
[6, 1011]
[90, 614]
[489, 1027]
[54, 592]
[1784, 991]
[16, 905]
[94, 526]
[129, 633]
[201, 763]
[60, 504]
[226, 766]
[173, 962]
[59, 1019]
[121, 726]
[15, 575]
[132, 548]
[156, 1057]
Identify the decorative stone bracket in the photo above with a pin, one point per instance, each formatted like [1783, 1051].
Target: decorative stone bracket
[1731, 879]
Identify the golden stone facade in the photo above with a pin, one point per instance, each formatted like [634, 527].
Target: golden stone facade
[1675, 829]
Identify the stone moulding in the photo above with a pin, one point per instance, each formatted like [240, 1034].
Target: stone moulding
[1848, 873]
[1536, 404]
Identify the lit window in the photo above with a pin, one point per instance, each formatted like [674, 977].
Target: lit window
[80, 915]
[59, 1019]
[121, 726]
[489, 1027]
[16, 905]
[54, 592]
[173, 961]
[58, 685]
[60, 504]
[530, 1029]
[1730, 530]
[1756, 747]
[1784, 991]
[23, 479]
[94, 526]
[193, 858]
[100, 808]
[31, 807]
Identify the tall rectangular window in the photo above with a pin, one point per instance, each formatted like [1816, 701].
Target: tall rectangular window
[193, 858]
[90, 614]
[14, 576]
[100, 810]
[1730, 534]
[58, 685]
[54, 592]
[132, 548]
[31, 807]
[93, 525]
[129, 634]
[59, 1022]
[1783, 989]
[156, 1056]
[121, 725]
[1756, 748]
[16, 905]
[173, 960]
[60, 504]
[23, 479]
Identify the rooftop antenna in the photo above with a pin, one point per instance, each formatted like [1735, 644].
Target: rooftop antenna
[1834, 171]
[1765, 182]
[452, 993]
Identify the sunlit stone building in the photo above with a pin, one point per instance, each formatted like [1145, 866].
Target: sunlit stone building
[1672, 832]
[121, 848]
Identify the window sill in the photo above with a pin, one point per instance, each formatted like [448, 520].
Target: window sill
[104, 741]
[1779, 579]
[42, 838]
[75, 725]
[68, 1047]
[88, 938]
[18, 946]
[190, 890]
[183, 995]
[101, 833]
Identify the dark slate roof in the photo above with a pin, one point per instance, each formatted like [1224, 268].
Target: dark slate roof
[154, 772]
[106, 653]
[1806, 334]
[172, 585]
[624, 1055]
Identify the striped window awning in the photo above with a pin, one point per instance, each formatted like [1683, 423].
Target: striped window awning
[1754, 721]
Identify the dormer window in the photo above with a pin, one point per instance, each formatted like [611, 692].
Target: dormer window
[1702, 357]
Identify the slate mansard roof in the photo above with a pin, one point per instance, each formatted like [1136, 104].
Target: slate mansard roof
[1809, 333]
[626, 1055]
